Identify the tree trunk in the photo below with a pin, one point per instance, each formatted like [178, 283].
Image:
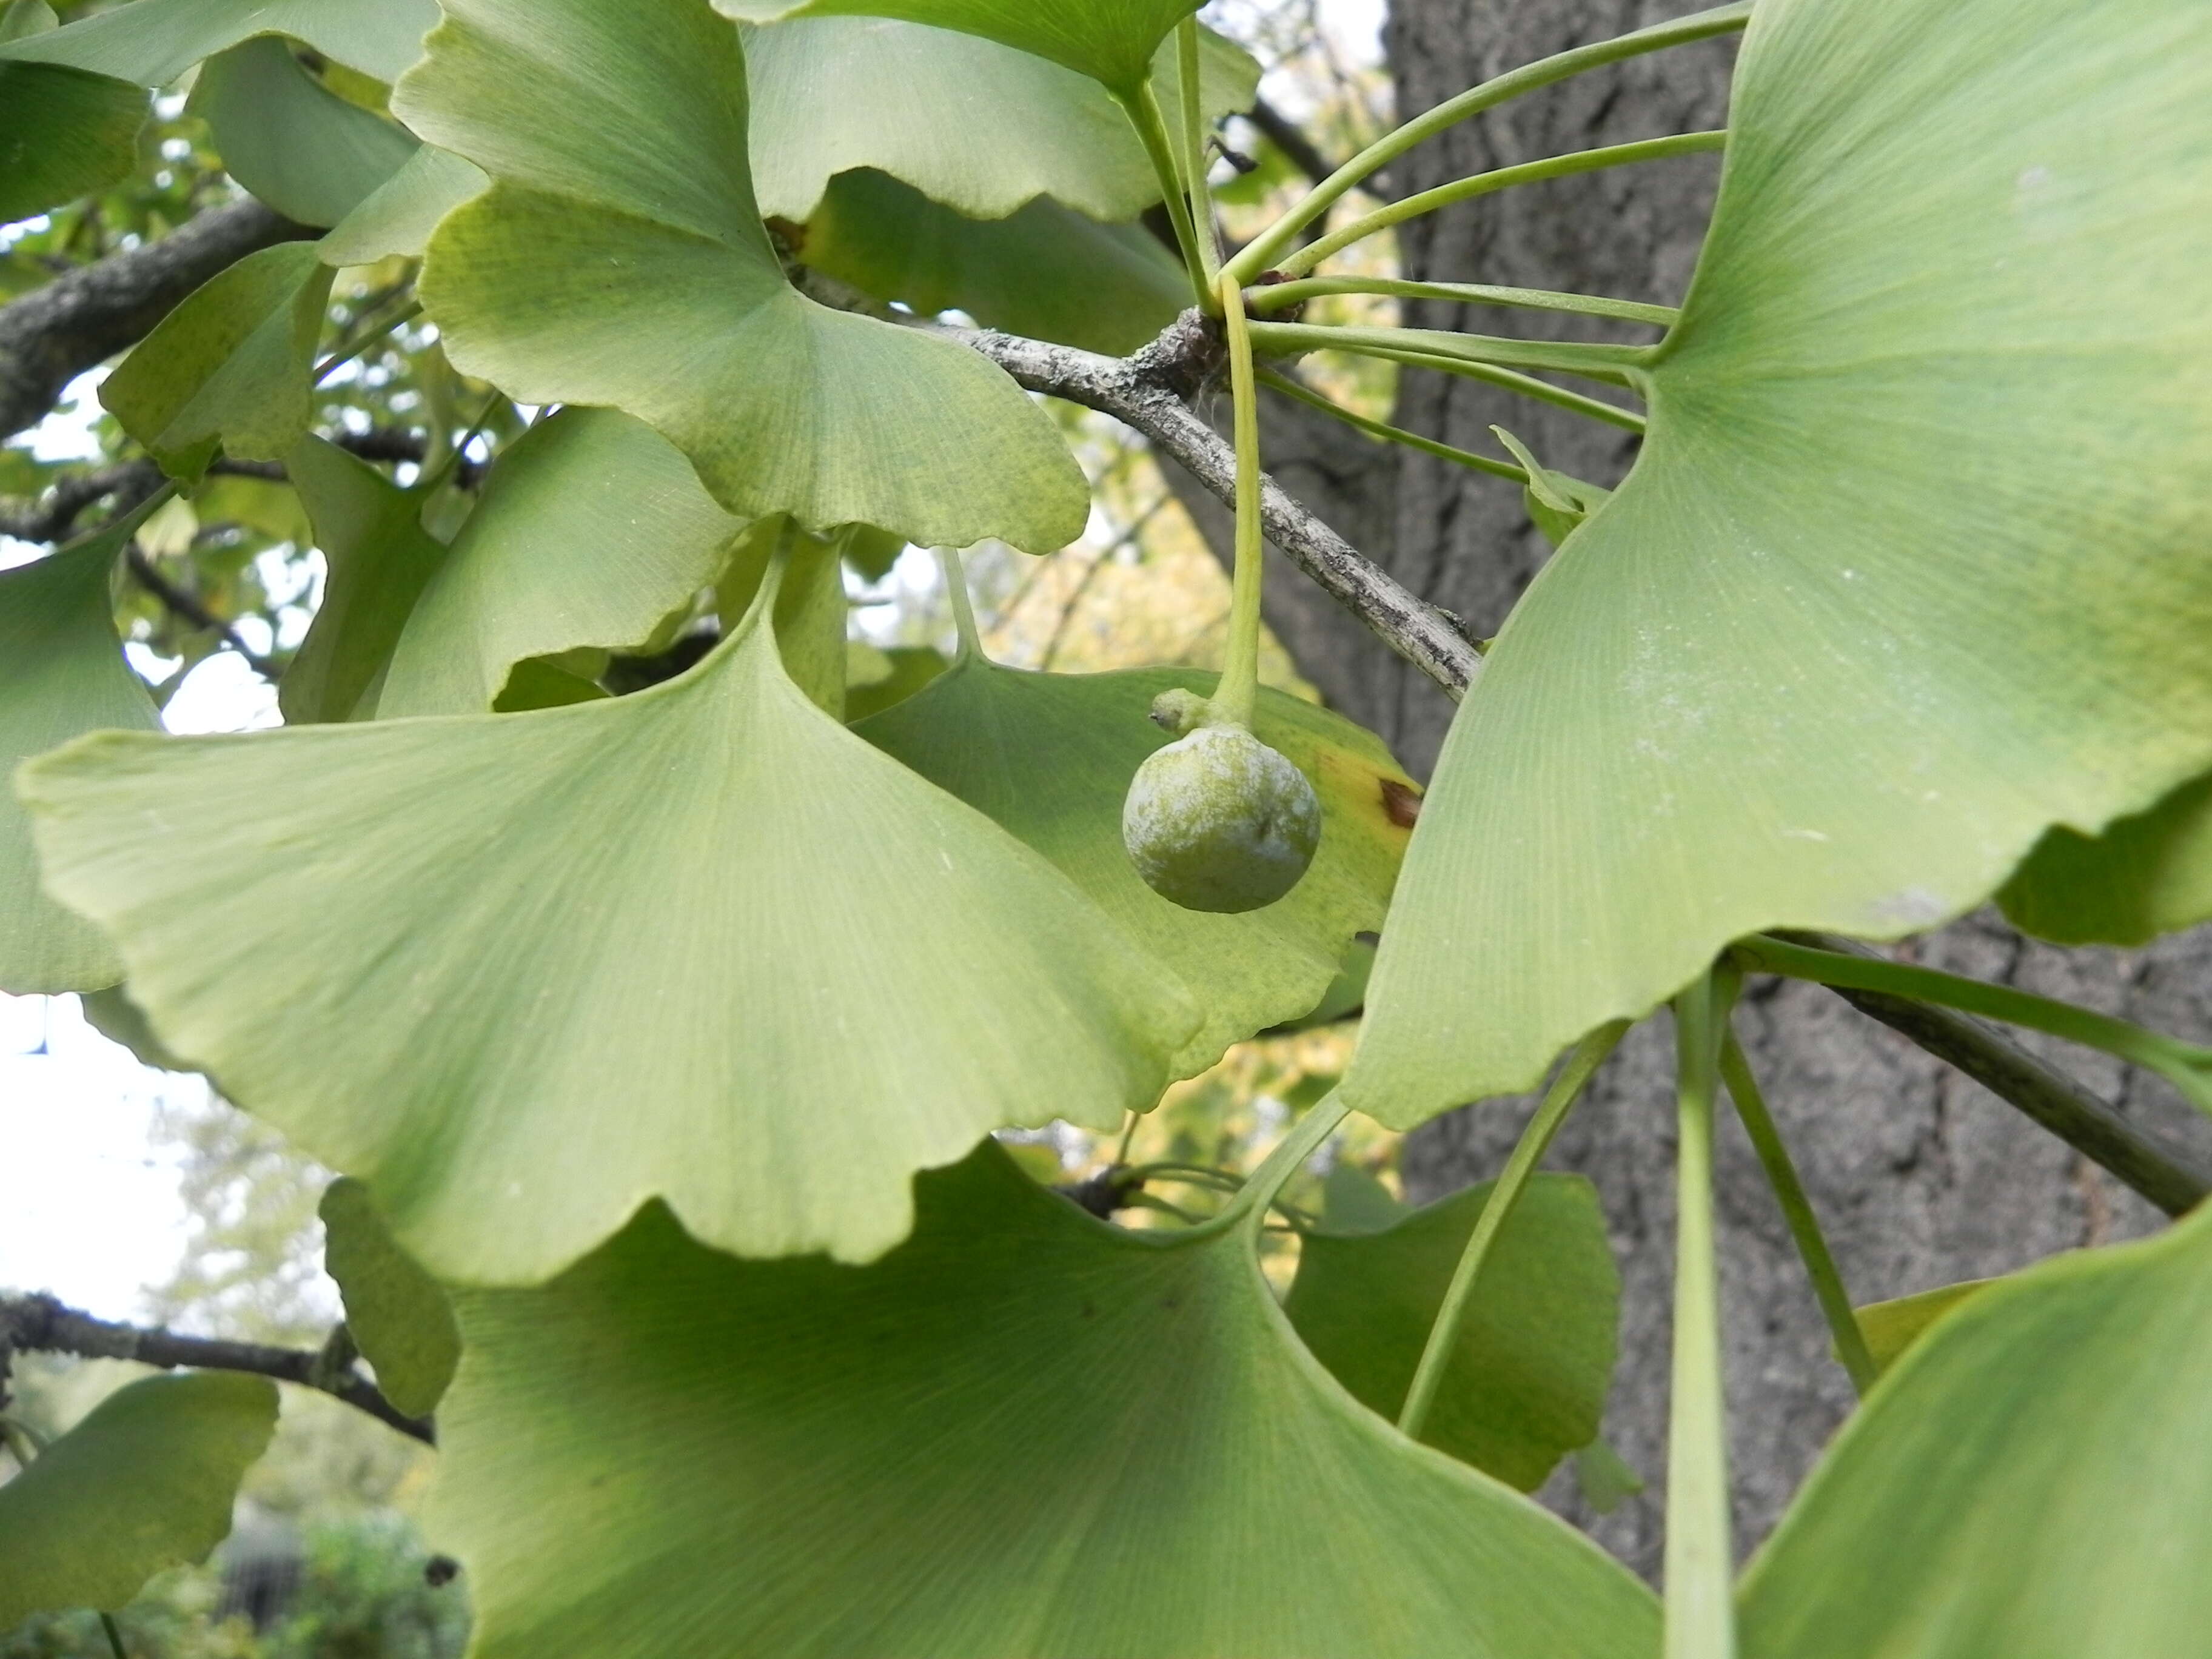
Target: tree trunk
[1921, 1177]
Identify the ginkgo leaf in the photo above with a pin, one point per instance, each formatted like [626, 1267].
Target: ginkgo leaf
[61, 674]
[1527, 1380]
[523, 972]
[145, 1481]
[228, 368]
[979, 127]
[1112, 41]
[398, 217]
[1024, 1432]
[1890, 1328]
[292, 141]
[591, 529]
[152, 42]
[380, 558]
[2033, 1480]
[2146, 875]
[1050, 758]
[1047, 271]
[64, 133]
[397, 1314]
[638, 275]
[1910, 567]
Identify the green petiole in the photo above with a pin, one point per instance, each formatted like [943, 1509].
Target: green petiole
[1278, 296]
[337, 360]
[1559, 1100]
[1700, 1611]
[1262, 251]
[1609, 363]
[971, 638]
[1483, 184]
[1466, 457]
[1144, 114]
[1474, 369]
[1797, 1210]
[2186, 1065]
[1238, 689]
[1250, 1206]
[1194, 152]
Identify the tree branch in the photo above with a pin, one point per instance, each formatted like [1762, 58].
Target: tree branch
[1148, 392]
[53, 334]
[2048, 1096]
[42, 1324]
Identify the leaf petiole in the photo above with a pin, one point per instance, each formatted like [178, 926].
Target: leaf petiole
[1277, 296]
[1290, 388]
[1263, 250]
[1483, 184]
[1238, 689]
[1608, 362]
[1475, 369]
[1143, 112]
[1250, 1206]
[2186, 1065]
[1188, 89]
[1700, 1609]
[1797, 1210]
[1559, 1100]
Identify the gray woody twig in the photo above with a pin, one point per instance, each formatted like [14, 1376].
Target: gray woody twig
[41, 1324]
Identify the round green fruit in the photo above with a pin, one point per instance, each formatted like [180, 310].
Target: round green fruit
[1218, 821]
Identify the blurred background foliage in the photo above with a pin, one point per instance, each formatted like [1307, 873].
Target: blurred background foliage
[327, 1560]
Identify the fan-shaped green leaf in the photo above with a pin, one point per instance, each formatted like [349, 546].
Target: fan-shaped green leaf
[398, 217]
[1022, 1432]
[380, 559]
[398, 1315]
[63, 132]
[592, 528]
[152, 42]
[2144, 876]
[2033, 1480]
[909, 667]
[523, 972]
[1911, 564]
[638, 275]
[1112, 41]
[146, 1481]
[1890, 1328]
[1533, 1361]
[228, 368]
[61, 674]
[1047, 271]
[291, 141]
[1050, 758]
[975, 125]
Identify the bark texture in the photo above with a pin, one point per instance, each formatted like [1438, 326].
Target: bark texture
[1921, 1177]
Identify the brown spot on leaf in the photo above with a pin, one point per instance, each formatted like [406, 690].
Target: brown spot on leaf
[1401, 803]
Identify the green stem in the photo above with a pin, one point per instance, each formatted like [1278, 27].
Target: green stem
[1143, 112]
[337, 360]
[1193, 149]
[1238, 689]
[1604, 363]
[1700, 1612]
[1444, 1331]
[2186, 1065]
[1512, 380]
[114, 1636]
[1483, 184]
[1250, 1206]
[1290, 388]
[1262, 251]
[1277, 296]
[1797, 1210]
[1205, 1171]
[964, 608]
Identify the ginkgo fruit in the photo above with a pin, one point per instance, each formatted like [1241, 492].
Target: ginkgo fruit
[1218, 820]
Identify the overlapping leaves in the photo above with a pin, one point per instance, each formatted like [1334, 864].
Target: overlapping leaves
[2033, 1480]
[1911, 566]
[523, 973]
[152, 42]
[619, 259]
[1023, 1431]
[1050, 756]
